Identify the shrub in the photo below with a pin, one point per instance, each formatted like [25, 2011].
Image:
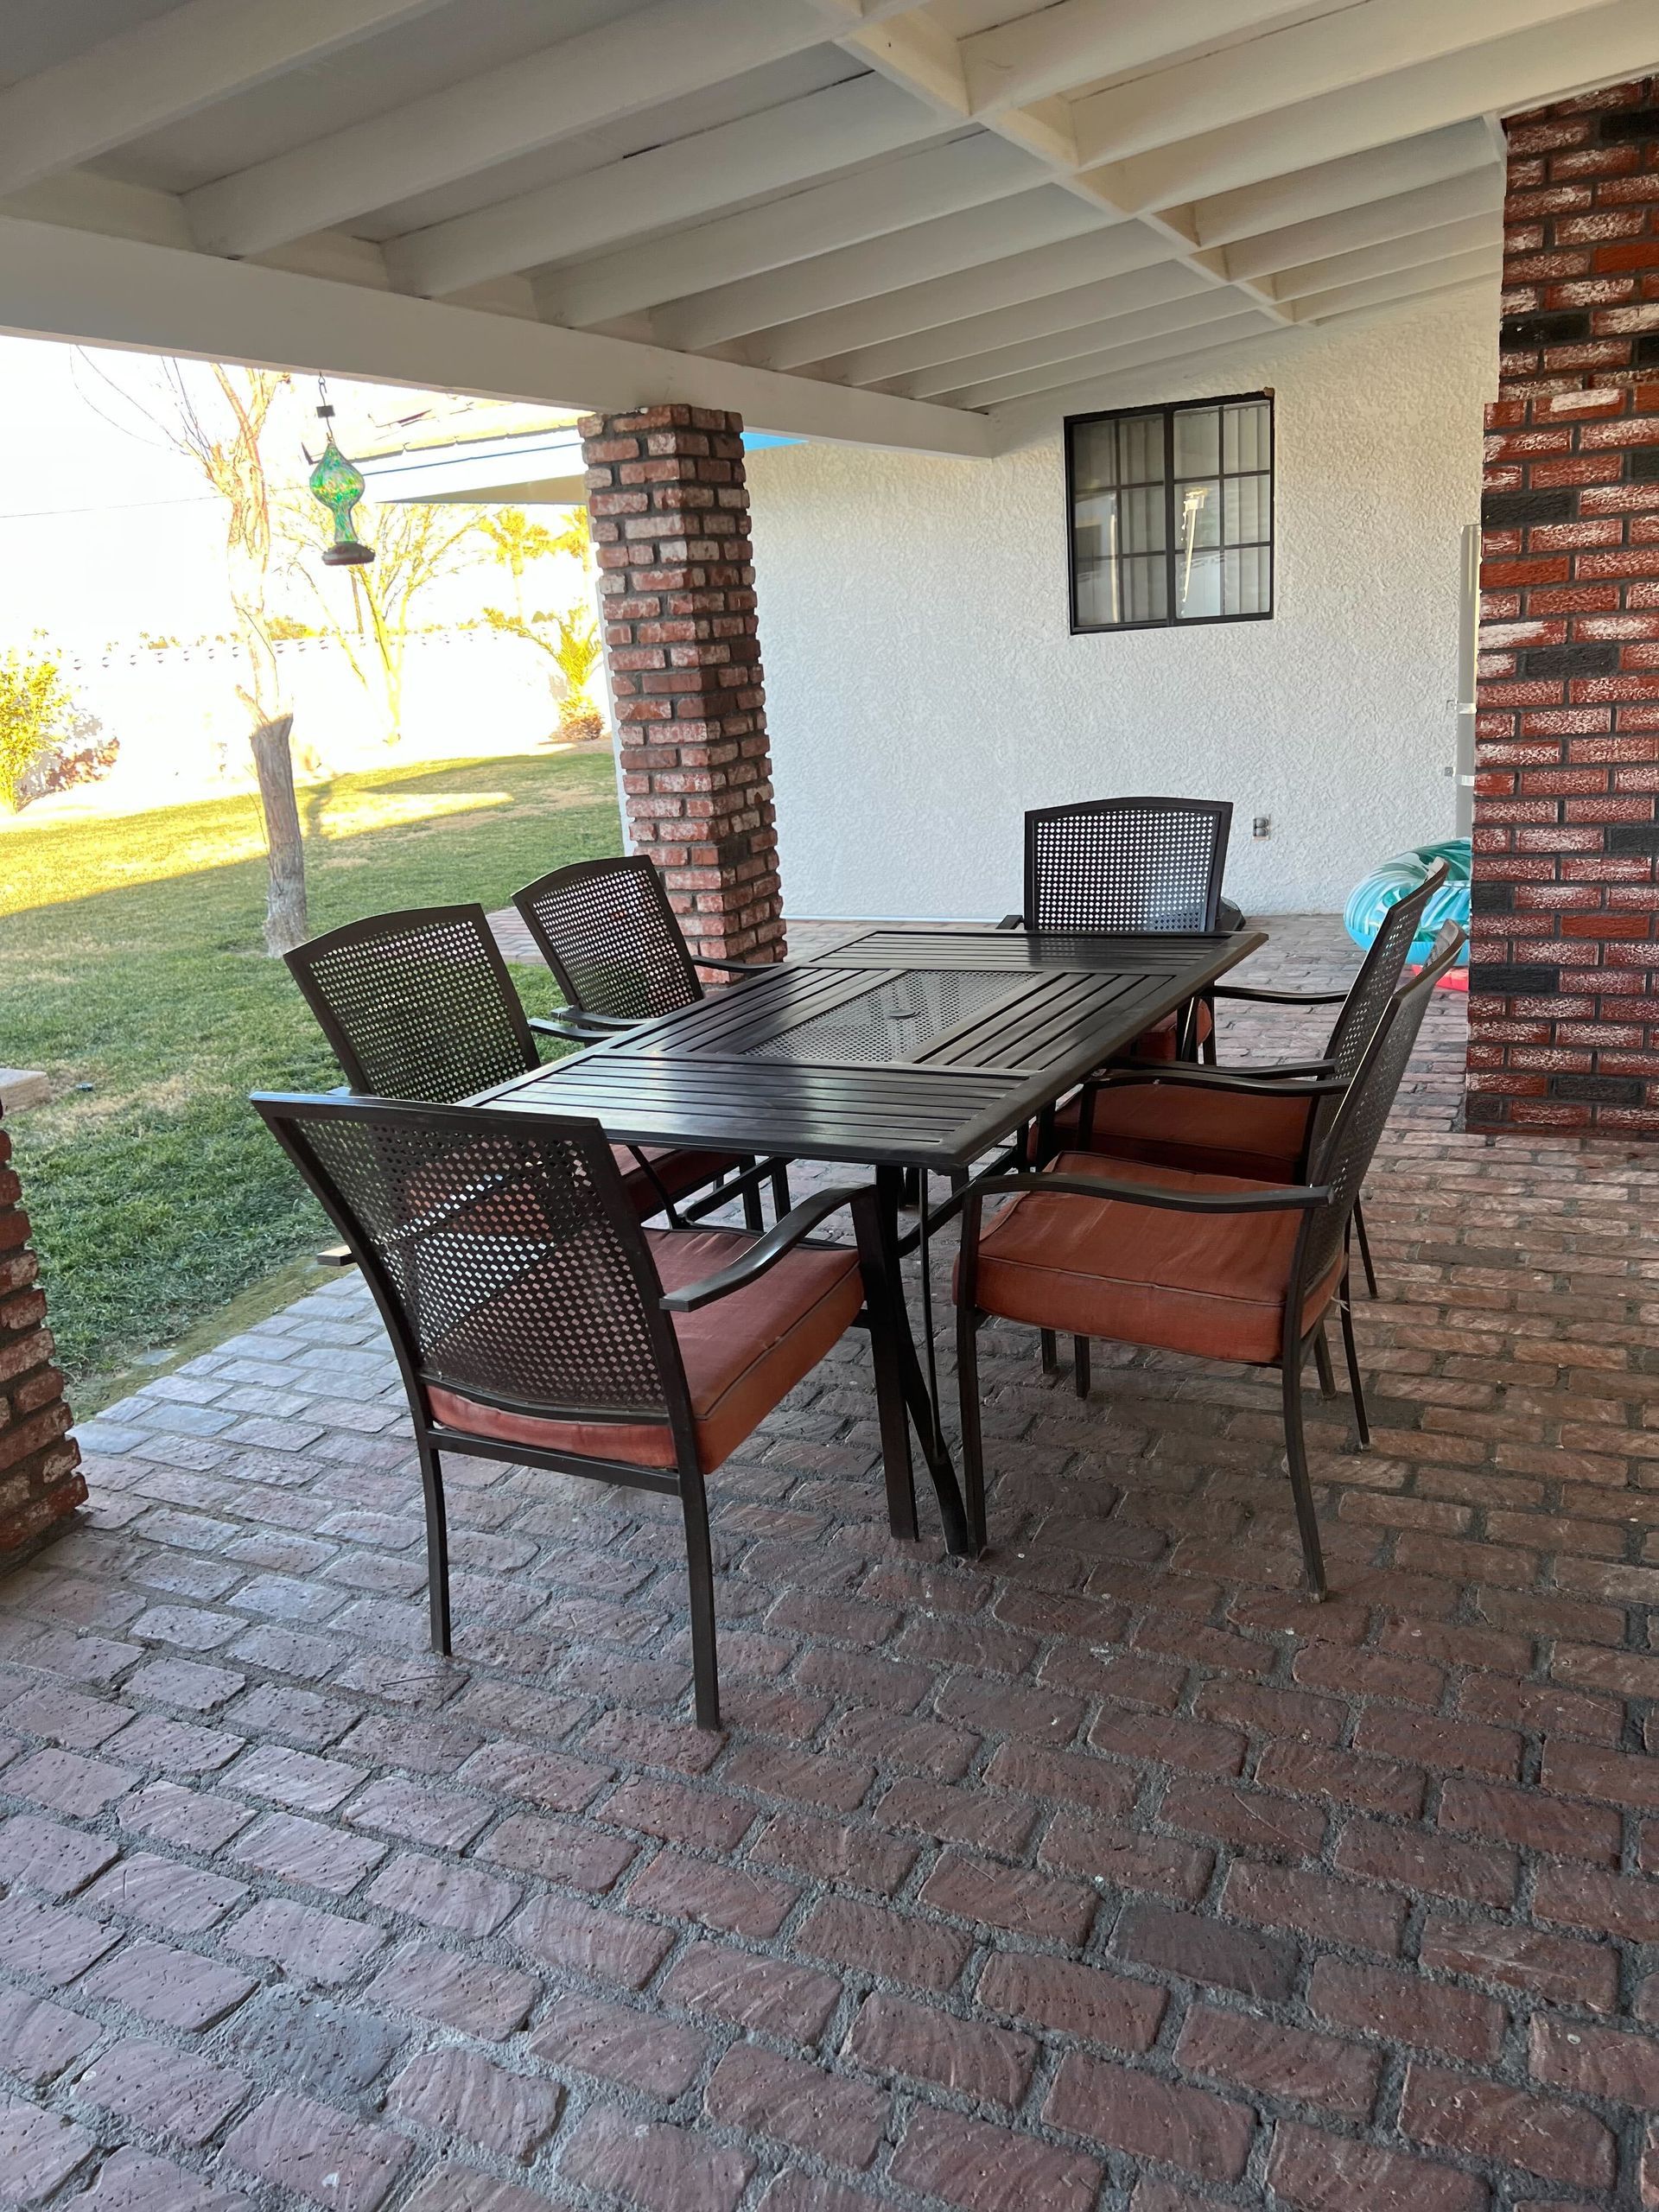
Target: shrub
[83, 755]
[34, 708]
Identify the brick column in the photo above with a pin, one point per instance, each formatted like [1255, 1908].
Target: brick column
[1564, 988]
[671, 522]
[39, 1481]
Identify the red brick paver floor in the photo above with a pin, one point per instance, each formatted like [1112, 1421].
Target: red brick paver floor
[1105, 1876]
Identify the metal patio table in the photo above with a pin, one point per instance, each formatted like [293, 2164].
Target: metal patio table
[910, 1051]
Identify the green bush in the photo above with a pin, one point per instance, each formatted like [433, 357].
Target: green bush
[34, 710]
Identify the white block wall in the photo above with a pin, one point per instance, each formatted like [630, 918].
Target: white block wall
[922, 688]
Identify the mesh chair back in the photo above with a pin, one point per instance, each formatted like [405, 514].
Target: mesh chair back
[608, 933]
[1116, 864]
[416, 1005]
[506, 1261]
[1374, 986]
[1342, 1155]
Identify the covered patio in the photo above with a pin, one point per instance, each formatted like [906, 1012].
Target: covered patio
[1104, 1871]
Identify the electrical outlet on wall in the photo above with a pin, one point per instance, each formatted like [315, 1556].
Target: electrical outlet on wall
[1262, 826]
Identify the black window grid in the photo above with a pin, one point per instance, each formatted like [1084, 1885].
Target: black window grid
[1173, 487]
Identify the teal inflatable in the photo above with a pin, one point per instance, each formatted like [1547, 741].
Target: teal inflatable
[1396, 878]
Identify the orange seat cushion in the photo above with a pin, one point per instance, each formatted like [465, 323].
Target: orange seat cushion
[1159, 1042]
[1213, 1285]
[1181, 1125]
[742, 1354]
[678, 1171]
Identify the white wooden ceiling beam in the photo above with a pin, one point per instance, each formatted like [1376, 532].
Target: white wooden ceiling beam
[851, 291]
[73, 285]
[1029, 421]
[977, 286]
[1085, 341]
[956, 342]
[917, 52]
[913, 51]
[842, 16]
[780, 147]
[940, 179]
[615, 69]
[1304, 61]
[172, 66]
[1399, 216]
[1480, 267]
[1614, 39]
[1073, 42]
[1474, 234]
[1350, 181]
[1244, 322]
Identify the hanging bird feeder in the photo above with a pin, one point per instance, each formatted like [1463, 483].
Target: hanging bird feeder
[337, 486]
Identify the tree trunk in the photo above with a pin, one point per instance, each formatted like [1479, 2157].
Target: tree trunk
[285, 918]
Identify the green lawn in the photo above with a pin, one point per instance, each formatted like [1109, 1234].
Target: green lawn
[130, 964]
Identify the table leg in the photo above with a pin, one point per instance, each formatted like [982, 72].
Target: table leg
[922, 1401]
[925, 1255]
[889, 1325]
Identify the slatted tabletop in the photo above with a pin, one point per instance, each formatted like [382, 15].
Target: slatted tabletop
[902, 1048]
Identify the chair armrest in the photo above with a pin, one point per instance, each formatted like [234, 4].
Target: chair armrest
[1012, 922]
[1269, 1071]
[1269, 1084]
[570, 1022]
[571, 1029]
[1293, 1198]
[736, 967]
[798, 1223]
[1282, 1071]
[1279, 998]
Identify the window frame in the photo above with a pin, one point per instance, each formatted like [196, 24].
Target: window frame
[1167, 410]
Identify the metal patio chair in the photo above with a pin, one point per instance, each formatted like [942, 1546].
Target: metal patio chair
[1259, 1120]
[606, 931]
[1133, 865]
[1219, 1267]
[535, 1321]
[618, 953]
[419, 1005]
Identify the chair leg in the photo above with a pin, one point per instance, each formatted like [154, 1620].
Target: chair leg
[1051, 1344]
[973, 1445]
[1362, 1424]
[780, 1199]
[700, 1573]
[1080, 1375]
[752, 1217]
[437, 1547]
[1364, 1248]
[1322, 1364]
[896, 1467]
[1207, 1047]
[1301, 1489]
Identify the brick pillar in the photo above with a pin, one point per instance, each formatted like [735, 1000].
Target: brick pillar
[671, 521]
[1564, 988]
[39, 1481]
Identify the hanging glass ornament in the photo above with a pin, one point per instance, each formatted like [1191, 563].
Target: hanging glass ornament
[337, 486]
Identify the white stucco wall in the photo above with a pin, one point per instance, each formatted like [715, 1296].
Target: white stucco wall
[922, 688]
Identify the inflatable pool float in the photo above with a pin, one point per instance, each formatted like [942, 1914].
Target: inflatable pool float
[1397, 878]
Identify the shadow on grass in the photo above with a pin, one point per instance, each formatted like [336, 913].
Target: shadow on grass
[140, 987]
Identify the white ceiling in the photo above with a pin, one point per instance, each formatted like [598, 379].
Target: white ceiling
[968, 202]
